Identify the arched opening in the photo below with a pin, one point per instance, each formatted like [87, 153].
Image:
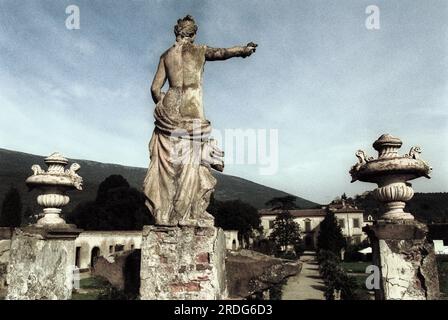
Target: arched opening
[96, 252]
[78, 257]
[309, 245]
[233, 244]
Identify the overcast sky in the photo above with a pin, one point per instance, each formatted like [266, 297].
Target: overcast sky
[327, 83]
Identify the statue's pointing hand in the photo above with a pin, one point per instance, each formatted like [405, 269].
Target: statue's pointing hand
[250, 48]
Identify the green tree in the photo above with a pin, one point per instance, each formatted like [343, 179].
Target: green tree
[116, 207]
[335, 278]
[330, 235]
[286, 232]
[28, 216]
[235, 215]
[283, 203]
[109, 185]
[11, 214]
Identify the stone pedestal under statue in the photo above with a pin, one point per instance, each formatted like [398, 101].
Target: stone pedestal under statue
[42, 256]
[182, 263]
[41, 264]
[406, 259]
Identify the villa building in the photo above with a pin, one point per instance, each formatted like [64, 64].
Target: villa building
[350, 218]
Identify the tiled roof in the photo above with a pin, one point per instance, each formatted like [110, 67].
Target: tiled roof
[295, 213]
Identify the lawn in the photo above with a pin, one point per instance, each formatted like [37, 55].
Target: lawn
[355, 267]
[357, 270]
[90, 288]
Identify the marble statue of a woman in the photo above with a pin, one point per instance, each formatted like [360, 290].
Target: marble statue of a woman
[179, 182]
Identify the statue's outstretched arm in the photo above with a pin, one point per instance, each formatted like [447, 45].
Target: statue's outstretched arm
[227, 53]
[158, 82]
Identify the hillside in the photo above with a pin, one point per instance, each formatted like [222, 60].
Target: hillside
[426, 207]
[15, 167]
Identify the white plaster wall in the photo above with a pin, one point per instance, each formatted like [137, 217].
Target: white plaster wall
[315, 221]
[103, 240]
[231, 235]
[265, 224]
[349, 229]
[439, 248]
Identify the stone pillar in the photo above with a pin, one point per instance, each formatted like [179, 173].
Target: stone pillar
[42, 256]
[5, 244]
[406, 259]
[41, 264]
[182, 263]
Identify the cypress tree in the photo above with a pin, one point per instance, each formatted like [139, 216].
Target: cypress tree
[11, 214]
[330, 235]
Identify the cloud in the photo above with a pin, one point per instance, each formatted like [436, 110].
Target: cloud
[325, 82]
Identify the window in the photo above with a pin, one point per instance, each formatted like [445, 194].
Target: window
[356, 223]
[119, 247]
[356, 239]
[94, 255]
[111, 249]
[132, 247]
[307, 225]
[271, 224]
[342, 223]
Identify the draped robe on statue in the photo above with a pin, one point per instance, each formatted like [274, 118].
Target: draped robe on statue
[178, 185]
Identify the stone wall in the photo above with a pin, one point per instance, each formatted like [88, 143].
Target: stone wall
[182, 263]
[251, 273]
[41, 265]
[5, 244]
[406, 260]
[4, 260]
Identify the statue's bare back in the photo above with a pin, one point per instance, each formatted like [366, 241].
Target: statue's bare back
[184, 65]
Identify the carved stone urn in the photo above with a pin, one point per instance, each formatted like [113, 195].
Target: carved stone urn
[391, 172]
[53, 184]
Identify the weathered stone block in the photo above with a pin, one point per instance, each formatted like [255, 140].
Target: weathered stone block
[5, 244]
[406, 260]
[182, 263]
[122, 270]
[250, 272]
[4, 260]
[41, 264]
